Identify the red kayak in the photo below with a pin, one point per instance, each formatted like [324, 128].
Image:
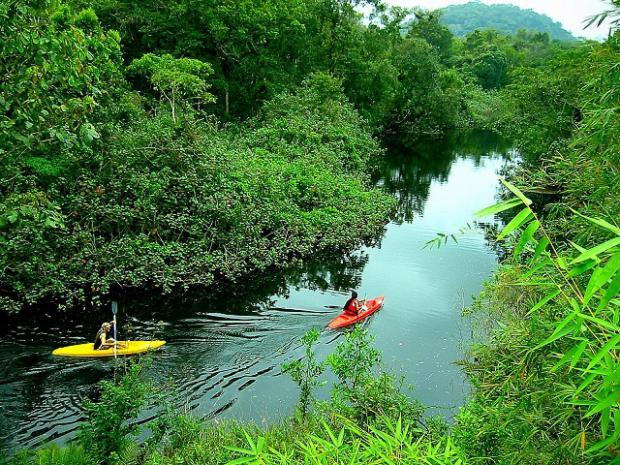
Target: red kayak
[344, 319]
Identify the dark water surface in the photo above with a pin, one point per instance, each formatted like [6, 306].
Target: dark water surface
[224, 353]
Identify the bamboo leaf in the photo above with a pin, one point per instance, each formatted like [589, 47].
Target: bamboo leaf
[610, 293]
[562, 263]
[542, 302]
[540, 248]
[577, 247]
[574, 352]
[536, 268]
[581, 268]
[607, 402]
[516, 192]
[522, 217]
[578, 353]
[601, 275]
[600, 322]
[605, 419]
[596, 251]
[595, 283]
[601, 445]
[565, 327]
[526, 237]
[610, 345]
[586, 382]
[497, 208]
[241, 460]
[600, 222]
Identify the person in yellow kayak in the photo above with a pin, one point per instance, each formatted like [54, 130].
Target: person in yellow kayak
[104, 339]
[354, 306]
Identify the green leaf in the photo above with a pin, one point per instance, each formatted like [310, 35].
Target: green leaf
[535, 268]
[522, 217]
[565, 327]
[577, 246]
[543, 243]
[601, 275]
[580, 269]
[600, 322]
[526, 237]
[578, 353]
[596, 251]
[602, 445]
[542, 302]
[497, 208]
[516, 192]
[607, 402]
[610, 293]
[610, 345]
[241, 460]
[573, 354]
[600, 222]
[586, 382]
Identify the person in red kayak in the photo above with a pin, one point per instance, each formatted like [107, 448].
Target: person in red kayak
[353, 306]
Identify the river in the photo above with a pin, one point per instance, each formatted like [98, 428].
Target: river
[225, 350]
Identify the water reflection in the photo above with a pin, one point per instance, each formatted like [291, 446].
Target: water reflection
[221, 342]
[226, 345]
[412, 166]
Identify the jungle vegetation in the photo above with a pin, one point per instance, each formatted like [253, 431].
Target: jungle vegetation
[168, 148]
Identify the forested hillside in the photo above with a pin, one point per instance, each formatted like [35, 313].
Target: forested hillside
[509, 19]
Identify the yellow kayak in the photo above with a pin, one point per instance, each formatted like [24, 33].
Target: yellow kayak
[122, 348]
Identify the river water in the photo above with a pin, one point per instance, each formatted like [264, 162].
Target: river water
[225, 350]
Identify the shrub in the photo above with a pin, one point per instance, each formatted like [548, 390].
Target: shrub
[110, 420]
[364, 392]
[305, 373]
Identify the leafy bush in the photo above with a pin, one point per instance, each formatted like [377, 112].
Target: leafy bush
[364, 392]
[547, 381]
[55, 455]
[181, 204]
[391, 442]
[61, 74]
[110, 425]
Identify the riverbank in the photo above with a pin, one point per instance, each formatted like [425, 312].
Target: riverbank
[367, 419]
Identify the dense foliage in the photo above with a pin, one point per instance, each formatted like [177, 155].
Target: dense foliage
[369, 421]
[118, 173]
[509, 19]
[546, 363]
[207, 140]
[103, 188]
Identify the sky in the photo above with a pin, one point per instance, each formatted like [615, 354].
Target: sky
[570, 13]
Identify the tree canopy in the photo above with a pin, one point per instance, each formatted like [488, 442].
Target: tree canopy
[509, 19]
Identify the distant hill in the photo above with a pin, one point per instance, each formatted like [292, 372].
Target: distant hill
[463, 19]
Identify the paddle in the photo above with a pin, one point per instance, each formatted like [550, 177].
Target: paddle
[340, 306]
[114, 312]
